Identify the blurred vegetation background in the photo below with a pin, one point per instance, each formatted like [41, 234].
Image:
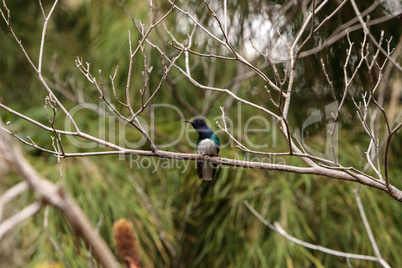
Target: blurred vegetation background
[180, 221]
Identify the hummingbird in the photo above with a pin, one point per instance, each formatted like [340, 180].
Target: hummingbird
[207, 144]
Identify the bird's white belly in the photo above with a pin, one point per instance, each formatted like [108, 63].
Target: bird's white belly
[206, 147]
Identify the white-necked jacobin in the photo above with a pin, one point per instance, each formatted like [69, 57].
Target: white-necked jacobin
[207, 144]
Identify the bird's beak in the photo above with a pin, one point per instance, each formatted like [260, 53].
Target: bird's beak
[188, 122]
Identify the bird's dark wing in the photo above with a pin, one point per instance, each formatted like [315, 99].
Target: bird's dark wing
[199, 169]
[214, 168]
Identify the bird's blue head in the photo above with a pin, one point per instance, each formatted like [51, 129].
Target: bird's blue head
[201, 127]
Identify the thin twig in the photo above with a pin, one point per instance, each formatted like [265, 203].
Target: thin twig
[52, 240]
[21, 216]
[10, 194]
[278, 228]
[367, 31]
[368, 229]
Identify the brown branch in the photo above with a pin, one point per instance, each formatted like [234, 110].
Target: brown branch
[201, 54]
[316, 170]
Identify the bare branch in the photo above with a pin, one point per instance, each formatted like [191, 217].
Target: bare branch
[21, 216]
[367, 31]
[225, 44]
[278, 228]
[196, 83]
[368, 229]
[42, 42]
[10, 194]
[52, 240]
